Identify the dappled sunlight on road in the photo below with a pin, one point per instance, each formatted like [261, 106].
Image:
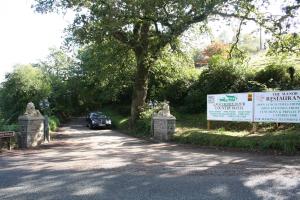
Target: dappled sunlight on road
[92, 163]
[272, 184]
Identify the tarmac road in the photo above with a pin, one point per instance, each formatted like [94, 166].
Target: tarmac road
[105, 164]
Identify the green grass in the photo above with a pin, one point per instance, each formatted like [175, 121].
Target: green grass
[184, 120]
[286, 141]
[191, 129]
[119, 121]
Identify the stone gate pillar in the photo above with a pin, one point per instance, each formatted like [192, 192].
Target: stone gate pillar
[31, 128]
[163, 124]
[163, 127]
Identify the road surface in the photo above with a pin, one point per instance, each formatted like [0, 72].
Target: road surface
[108, 165]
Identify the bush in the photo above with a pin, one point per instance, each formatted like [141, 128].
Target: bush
[25, 84]
[177, 91]
[248, 85]
[274, 76]
[54, 123]
[10, 127]
[143, 124]
[170, 77]
[123, 110]
[219, 77]
[296, 81]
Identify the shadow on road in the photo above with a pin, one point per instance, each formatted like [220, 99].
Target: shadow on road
[105, 164]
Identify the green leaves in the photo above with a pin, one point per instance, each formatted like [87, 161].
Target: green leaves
[144, 27]
[108, 71]
[124, 19]
[288, 44]
[25, 84]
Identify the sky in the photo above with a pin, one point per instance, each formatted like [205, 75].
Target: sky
[26, 36]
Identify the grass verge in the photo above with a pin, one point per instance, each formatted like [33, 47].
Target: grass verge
[191, 129]
[120, 121]
[286, 141]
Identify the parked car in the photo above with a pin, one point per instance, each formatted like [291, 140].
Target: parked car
[98, 120]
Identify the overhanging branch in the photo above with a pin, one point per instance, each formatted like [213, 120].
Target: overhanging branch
[234, 45]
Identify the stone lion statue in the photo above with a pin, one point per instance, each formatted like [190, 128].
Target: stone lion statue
[31, 111]
[165, 111]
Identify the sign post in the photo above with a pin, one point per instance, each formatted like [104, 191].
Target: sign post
[277, 107]
[208, 124]
[230, 107]
[8, 135]
[44, 104]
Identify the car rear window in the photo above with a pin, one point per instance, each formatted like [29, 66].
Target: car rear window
[98, 115]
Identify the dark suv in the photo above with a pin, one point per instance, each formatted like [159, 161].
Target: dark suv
[98, 120]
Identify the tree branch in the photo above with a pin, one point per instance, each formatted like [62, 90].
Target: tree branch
[234, 45]
[121, 36]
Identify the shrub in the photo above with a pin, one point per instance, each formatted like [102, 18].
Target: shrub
[53, 123]
[123, 110]
[26, 83]
[219, 77]
[10, 127]
[296, 81]
[177, 91]
[202, 58]
[170, 77]
[274, 76]
[143, 125]
[248, 85]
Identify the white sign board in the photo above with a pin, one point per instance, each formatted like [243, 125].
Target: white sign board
[230, 107]
[283, 106]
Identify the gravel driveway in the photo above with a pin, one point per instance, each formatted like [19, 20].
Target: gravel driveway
[105, 164]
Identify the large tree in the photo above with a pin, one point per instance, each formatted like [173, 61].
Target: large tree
[147, 26]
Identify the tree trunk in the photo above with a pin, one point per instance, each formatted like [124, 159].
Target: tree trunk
[140, 87]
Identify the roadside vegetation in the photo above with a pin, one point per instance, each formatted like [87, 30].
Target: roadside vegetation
[192, 129]
[285, 141]
[74, 89]
[103, 76]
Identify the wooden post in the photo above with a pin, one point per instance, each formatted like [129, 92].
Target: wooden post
[208, 125]
[8, 143]
[276, 125]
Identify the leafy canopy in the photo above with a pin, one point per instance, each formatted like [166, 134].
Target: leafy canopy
[147, 27]
[127, 20]
[140, 23]
[25, 84]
